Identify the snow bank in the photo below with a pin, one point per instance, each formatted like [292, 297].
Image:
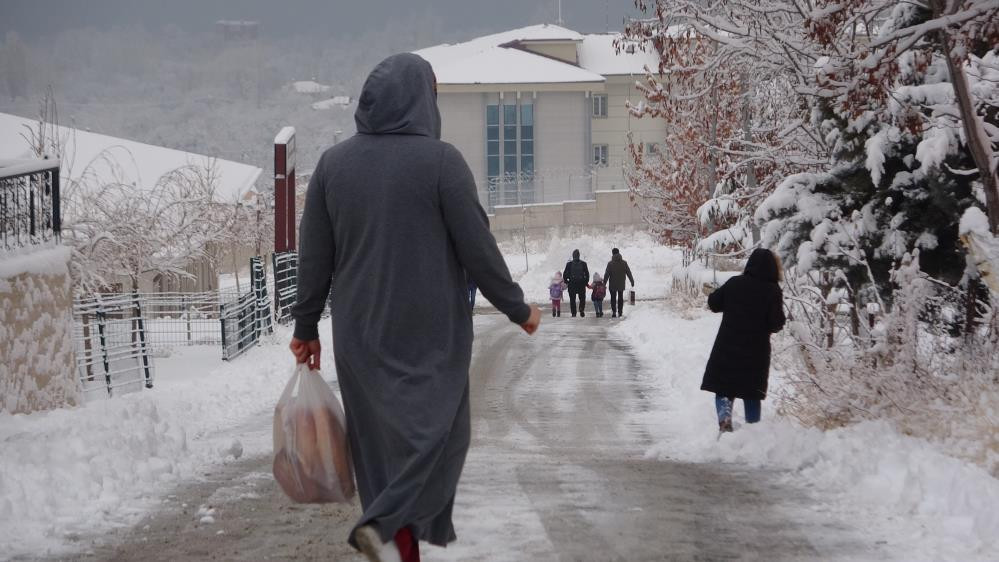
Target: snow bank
[650, 262]
[68, 472]
[945, 506]
[36, 260]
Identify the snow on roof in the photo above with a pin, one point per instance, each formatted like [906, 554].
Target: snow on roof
[500, 65]
[597, 54]
[127, 161]
[334, 102]
[485, 60]
[309, 87]
[495, 59]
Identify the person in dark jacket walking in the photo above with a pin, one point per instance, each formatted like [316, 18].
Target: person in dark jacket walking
[393, 212]
[576, 275]
[752, 307]
[614, 275]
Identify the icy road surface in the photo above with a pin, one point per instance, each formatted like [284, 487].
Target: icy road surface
[555, 473]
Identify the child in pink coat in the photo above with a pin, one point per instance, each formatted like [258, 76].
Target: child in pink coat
[555, 291]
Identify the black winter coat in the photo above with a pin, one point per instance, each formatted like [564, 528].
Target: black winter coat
[582, 272]
[753, 308]
[617, 270]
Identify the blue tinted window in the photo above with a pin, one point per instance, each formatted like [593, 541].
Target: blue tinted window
[510, 164]
[527, 164]
[509, 114]
[527, 115]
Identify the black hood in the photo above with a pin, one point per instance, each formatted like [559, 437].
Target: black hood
[398, 98]
[575, 255]
[762, 265]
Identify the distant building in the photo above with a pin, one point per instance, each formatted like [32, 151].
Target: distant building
[309, 87]
[336, 102]
[237, 30]
[540, 112]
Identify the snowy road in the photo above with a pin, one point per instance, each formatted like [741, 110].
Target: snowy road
[555, 472]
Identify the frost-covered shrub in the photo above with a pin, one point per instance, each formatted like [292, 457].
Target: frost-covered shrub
[930, 363]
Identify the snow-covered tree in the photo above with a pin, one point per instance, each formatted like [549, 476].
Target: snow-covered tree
[120, 229]
[729, 90]
[903, 170]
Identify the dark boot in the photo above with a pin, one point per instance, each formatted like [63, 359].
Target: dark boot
[553, 313]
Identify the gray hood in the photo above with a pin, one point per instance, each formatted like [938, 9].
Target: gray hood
[398, 98]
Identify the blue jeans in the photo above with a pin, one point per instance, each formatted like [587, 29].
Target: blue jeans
[471, 296]
[724, 405]
[598, 306]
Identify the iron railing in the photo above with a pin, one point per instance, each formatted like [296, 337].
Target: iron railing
[285, 284]
[112, 353]
[29, 202]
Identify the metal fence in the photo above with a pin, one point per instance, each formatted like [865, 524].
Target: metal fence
[543, 186]
[29, 202]
[180, 319]
[247, 317]
[285, 284]
[112, 353]
[121, 327]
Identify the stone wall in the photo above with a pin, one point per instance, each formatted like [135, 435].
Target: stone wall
[37, 362]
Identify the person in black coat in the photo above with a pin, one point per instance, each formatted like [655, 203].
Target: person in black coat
[576, 275]
[752, 305]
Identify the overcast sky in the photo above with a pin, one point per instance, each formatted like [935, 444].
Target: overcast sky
[34, 17]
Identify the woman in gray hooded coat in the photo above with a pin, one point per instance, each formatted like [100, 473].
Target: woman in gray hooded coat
[392, 221]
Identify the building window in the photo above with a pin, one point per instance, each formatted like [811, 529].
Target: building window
[653, 148]
[510, 139]
[527, 139]
[600, 155]
[510, 157]
[492, 143]
[599, 105]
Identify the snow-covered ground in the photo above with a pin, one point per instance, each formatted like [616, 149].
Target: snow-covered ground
[933, 506]
[73, 471]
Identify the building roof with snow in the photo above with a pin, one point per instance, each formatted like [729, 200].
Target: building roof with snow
[96, 159]
[335, 102]
[309, 87]
[538, 54]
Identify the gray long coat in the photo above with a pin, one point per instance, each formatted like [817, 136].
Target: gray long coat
[392, 216]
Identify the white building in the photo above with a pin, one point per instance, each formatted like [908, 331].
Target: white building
[540, 113]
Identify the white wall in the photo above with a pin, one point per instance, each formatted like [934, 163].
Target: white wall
[613, 130]
[561, 139]
[463, 124]
[562, 145]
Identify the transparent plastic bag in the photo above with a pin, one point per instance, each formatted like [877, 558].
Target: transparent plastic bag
[312, 461]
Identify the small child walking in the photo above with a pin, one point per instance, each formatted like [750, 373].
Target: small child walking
[599, 291]
[555, 291]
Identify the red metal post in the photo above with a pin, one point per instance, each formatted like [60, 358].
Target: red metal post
[284, 190]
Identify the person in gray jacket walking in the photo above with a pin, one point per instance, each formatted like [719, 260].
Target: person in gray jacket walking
[391, 213]
[617, 270]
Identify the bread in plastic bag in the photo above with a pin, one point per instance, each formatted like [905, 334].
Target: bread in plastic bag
[312, 461]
